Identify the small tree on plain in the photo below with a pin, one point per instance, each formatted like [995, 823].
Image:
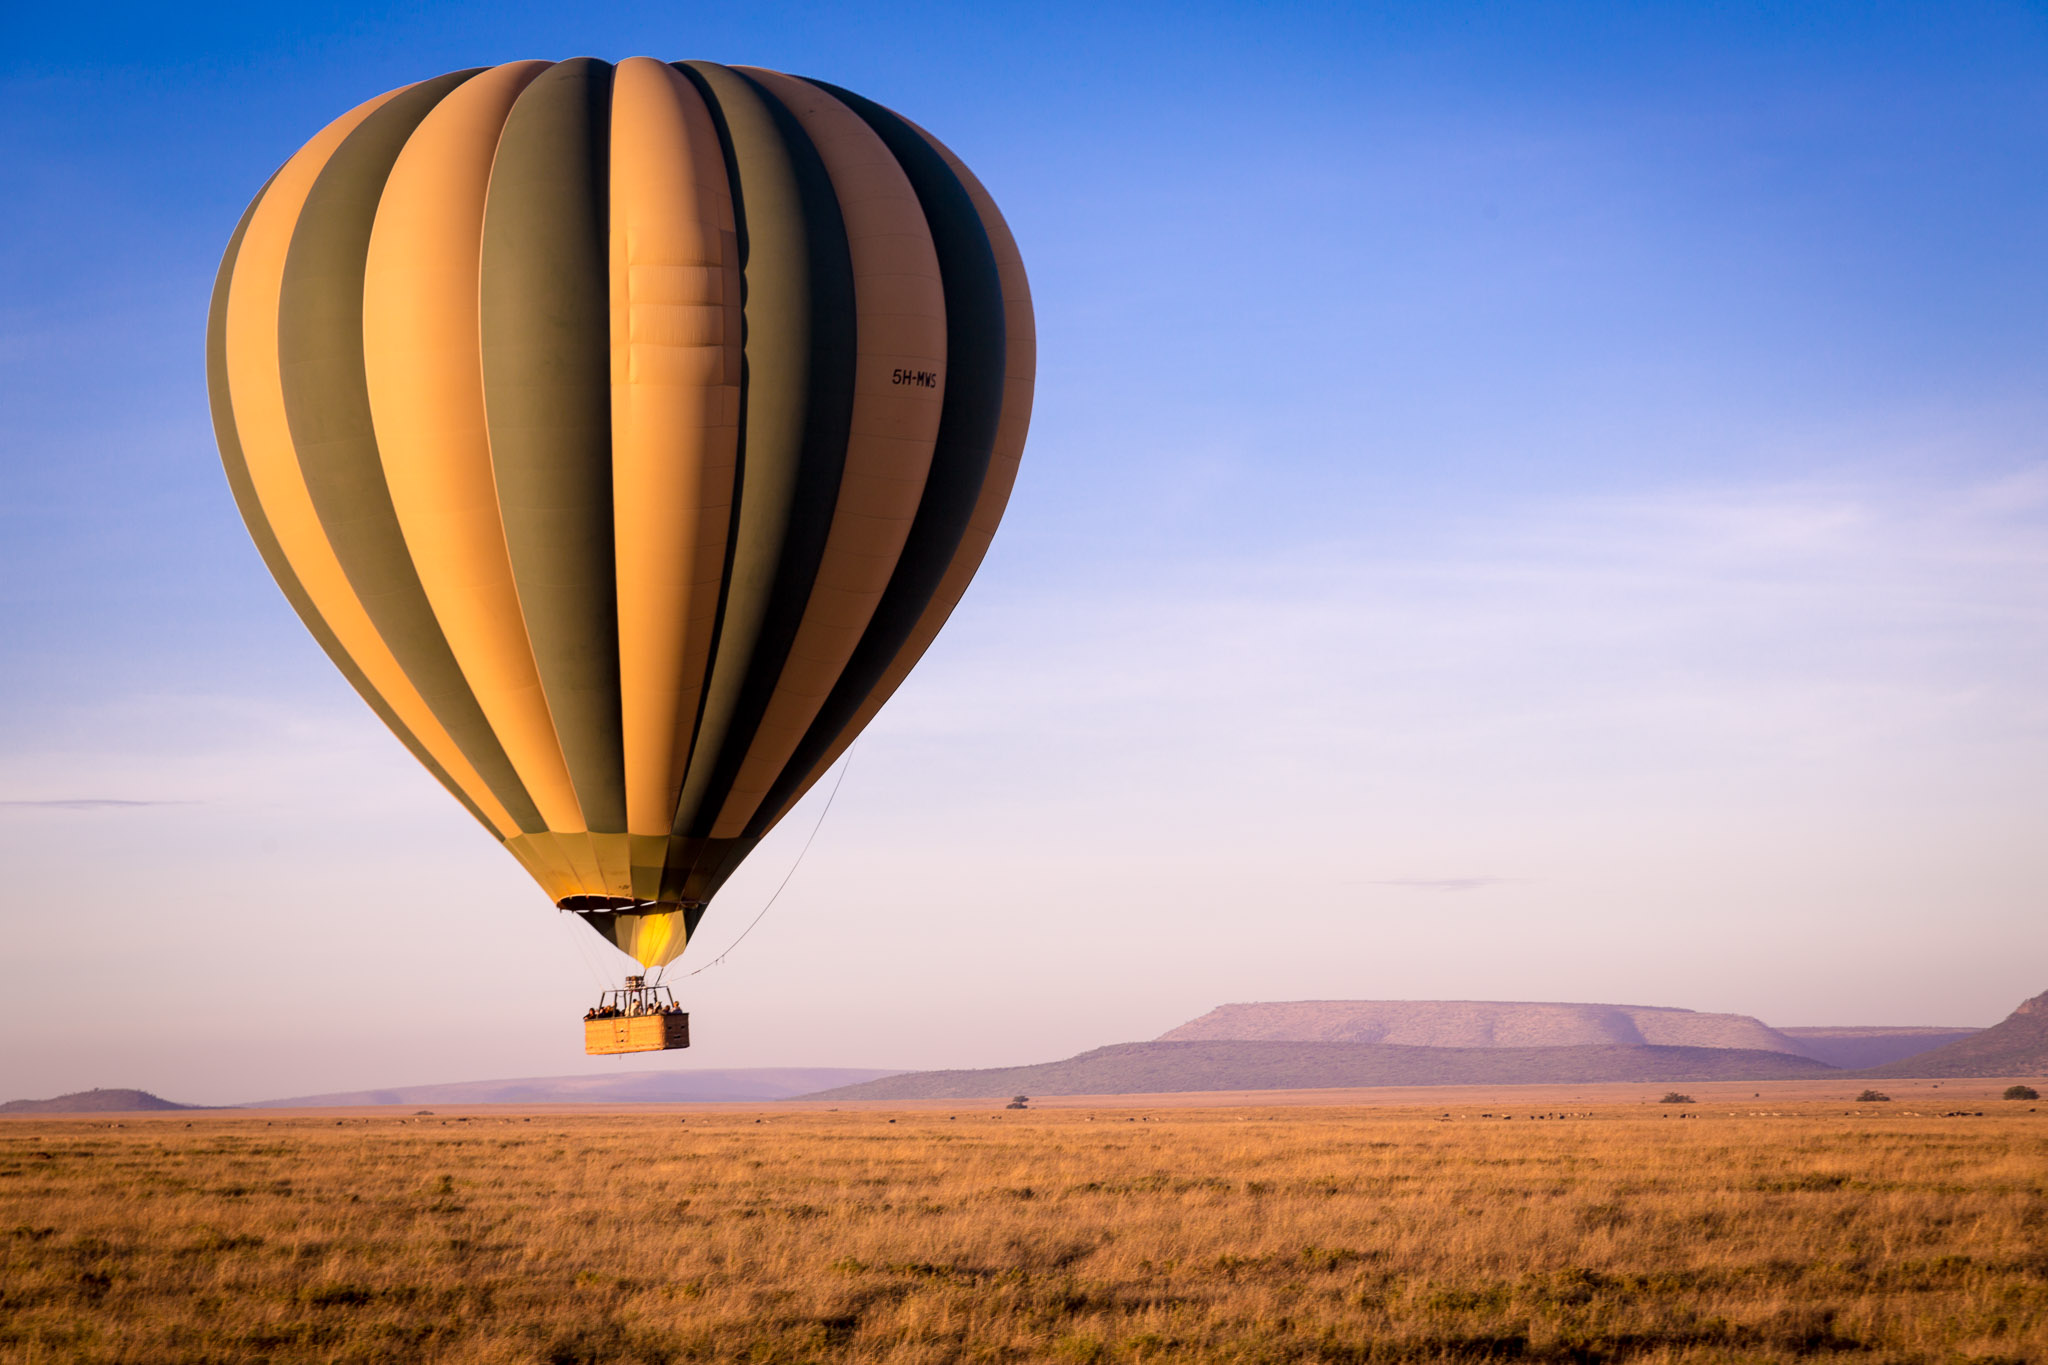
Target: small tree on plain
[1872, 1097]
[1018, 1102]
[1673, 1097]
[2022, 1092]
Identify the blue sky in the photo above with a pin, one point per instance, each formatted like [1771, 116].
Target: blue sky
[1524, 502]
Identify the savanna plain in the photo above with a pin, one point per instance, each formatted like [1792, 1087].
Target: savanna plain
[1722, 1231]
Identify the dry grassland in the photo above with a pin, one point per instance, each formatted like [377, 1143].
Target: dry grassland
[1343, 1235]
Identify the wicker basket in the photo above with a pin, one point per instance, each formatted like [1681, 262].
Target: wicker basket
[636, 1033]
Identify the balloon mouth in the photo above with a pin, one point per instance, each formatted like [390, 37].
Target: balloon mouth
[634, 905]
[652, 933]
[585, 905]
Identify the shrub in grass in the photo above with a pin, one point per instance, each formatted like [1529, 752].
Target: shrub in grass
[2022, 1092]
[1872, 1097]
[1673, 1097]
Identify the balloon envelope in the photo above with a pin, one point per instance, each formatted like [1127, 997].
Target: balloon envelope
[624, 434]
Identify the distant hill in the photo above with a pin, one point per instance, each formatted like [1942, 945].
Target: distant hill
[2017, 1046]
[1871, 1046]
[623, 1087]
[1162, 1066]
[93, 1102]
[1480, 1024]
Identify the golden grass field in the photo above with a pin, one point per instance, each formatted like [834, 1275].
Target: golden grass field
[1763, 1229]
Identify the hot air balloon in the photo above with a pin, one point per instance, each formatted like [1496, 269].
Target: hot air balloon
[624, 434]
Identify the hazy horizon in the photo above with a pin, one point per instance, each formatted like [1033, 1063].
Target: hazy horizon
[1536, 506]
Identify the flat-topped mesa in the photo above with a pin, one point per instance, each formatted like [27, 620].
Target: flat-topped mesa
[1480, 1023]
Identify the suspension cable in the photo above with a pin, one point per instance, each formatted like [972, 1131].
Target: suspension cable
[844, 764]
[576, 931]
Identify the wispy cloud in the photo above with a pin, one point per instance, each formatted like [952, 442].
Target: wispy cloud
[1441, 883]
[1738, 601]
[90, 803]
